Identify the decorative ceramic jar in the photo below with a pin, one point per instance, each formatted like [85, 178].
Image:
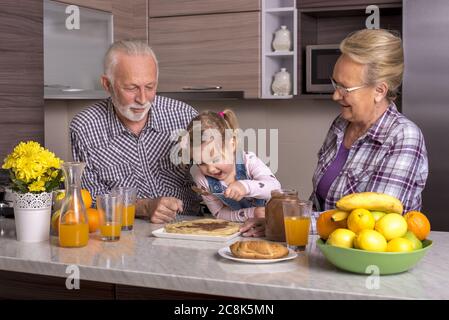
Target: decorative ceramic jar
[281, 85]
[282, 39]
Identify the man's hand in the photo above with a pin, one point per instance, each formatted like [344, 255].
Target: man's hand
[160, 210]
[235, 191]
[253, 227]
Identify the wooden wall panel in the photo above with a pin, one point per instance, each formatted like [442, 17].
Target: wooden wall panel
[21, 73]
[166, 8]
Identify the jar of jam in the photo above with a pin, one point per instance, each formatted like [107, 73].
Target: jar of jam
[274, 216]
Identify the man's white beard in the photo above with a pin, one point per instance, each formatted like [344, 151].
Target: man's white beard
[126, 111]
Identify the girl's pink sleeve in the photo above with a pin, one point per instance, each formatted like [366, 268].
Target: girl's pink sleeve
[216, 207]
[262, 180]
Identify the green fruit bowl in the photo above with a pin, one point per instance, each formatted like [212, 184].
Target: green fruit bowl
[365, 262]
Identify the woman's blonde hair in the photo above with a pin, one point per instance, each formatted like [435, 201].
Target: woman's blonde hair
[381, 51]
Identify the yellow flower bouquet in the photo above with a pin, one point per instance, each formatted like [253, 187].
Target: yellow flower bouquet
[33, 168]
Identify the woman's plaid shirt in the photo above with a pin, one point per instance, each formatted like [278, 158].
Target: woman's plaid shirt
[390, 158]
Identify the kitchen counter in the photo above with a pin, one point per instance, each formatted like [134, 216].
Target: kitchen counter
[141, 260]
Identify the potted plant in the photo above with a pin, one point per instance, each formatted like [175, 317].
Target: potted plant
[35, 173]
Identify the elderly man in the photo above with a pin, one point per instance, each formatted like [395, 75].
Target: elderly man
[125, 140]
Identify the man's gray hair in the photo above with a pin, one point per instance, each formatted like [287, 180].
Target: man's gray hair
[130, 47]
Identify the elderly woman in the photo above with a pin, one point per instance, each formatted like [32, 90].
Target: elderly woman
[370, 146]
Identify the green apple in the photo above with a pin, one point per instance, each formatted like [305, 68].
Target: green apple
[377, 215]
[417, 244]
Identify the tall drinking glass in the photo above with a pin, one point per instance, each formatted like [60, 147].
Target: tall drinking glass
[129, 195]
[110, 208]
[297, 223]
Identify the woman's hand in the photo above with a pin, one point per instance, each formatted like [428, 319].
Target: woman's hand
[235, 191]
[253, 227]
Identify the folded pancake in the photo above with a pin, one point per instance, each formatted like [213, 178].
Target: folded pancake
[208, 227]
[258, 249]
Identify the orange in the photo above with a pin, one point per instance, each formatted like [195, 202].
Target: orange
[418, 223]
[87, 198]
[325, 225]
[93, 218]
[70, 218]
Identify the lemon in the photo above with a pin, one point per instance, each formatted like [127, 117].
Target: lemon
[341, 238]
[360, 219]
[392, 225]
[60, 195]
[399, 245]
[371, 240]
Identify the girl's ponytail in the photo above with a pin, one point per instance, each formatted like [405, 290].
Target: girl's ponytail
[230, 118]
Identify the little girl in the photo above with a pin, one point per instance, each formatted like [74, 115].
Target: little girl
[233, 184]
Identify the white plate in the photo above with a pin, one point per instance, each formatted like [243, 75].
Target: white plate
[227, 254]
[160, 233]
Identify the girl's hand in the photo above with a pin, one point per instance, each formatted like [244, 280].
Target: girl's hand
[259, 212]
[235, 191]
[253, 227]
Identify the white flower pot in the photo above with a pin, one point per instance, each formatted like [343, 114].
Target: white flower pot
[32, 214]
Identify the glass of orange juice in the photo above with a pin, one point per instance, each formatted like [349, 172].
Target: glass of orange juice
[297, 223]
[129, 205]
[110, 208]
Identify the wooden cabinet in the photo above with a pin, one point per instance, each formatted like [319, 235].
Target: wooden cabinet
[164, 8]
[21, 73]
[26, 286]
[208, 50]
[330, 24]
[105, 5]
[130, 17]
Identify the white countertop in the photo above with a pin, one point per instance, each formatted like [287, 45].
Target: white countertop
[139, 259]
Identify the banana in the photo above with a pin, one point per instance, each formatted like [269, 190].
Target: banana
[370, 201]
[339, 215]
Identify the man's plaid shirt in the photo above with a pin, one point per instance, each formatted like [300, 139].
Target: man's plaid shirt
[115, 157]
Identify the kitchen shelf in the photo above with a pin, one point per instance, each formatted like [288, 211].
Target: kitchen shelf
[286, 9]
[279, 54]
[276, 13]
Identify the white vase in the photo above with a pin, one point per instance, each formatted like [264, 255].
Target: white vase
[32, 212]
[282, 39]
[281, 85]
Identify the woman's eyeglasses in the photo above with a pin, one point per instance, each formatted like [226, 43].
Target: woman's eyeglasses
[343, 90]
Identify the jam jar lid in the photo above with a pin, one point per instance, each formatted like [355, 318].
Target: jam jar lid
[284, 193]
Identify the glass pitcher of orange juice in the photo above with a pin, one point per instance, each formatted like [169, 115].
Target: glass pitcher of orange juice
[73, 226]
